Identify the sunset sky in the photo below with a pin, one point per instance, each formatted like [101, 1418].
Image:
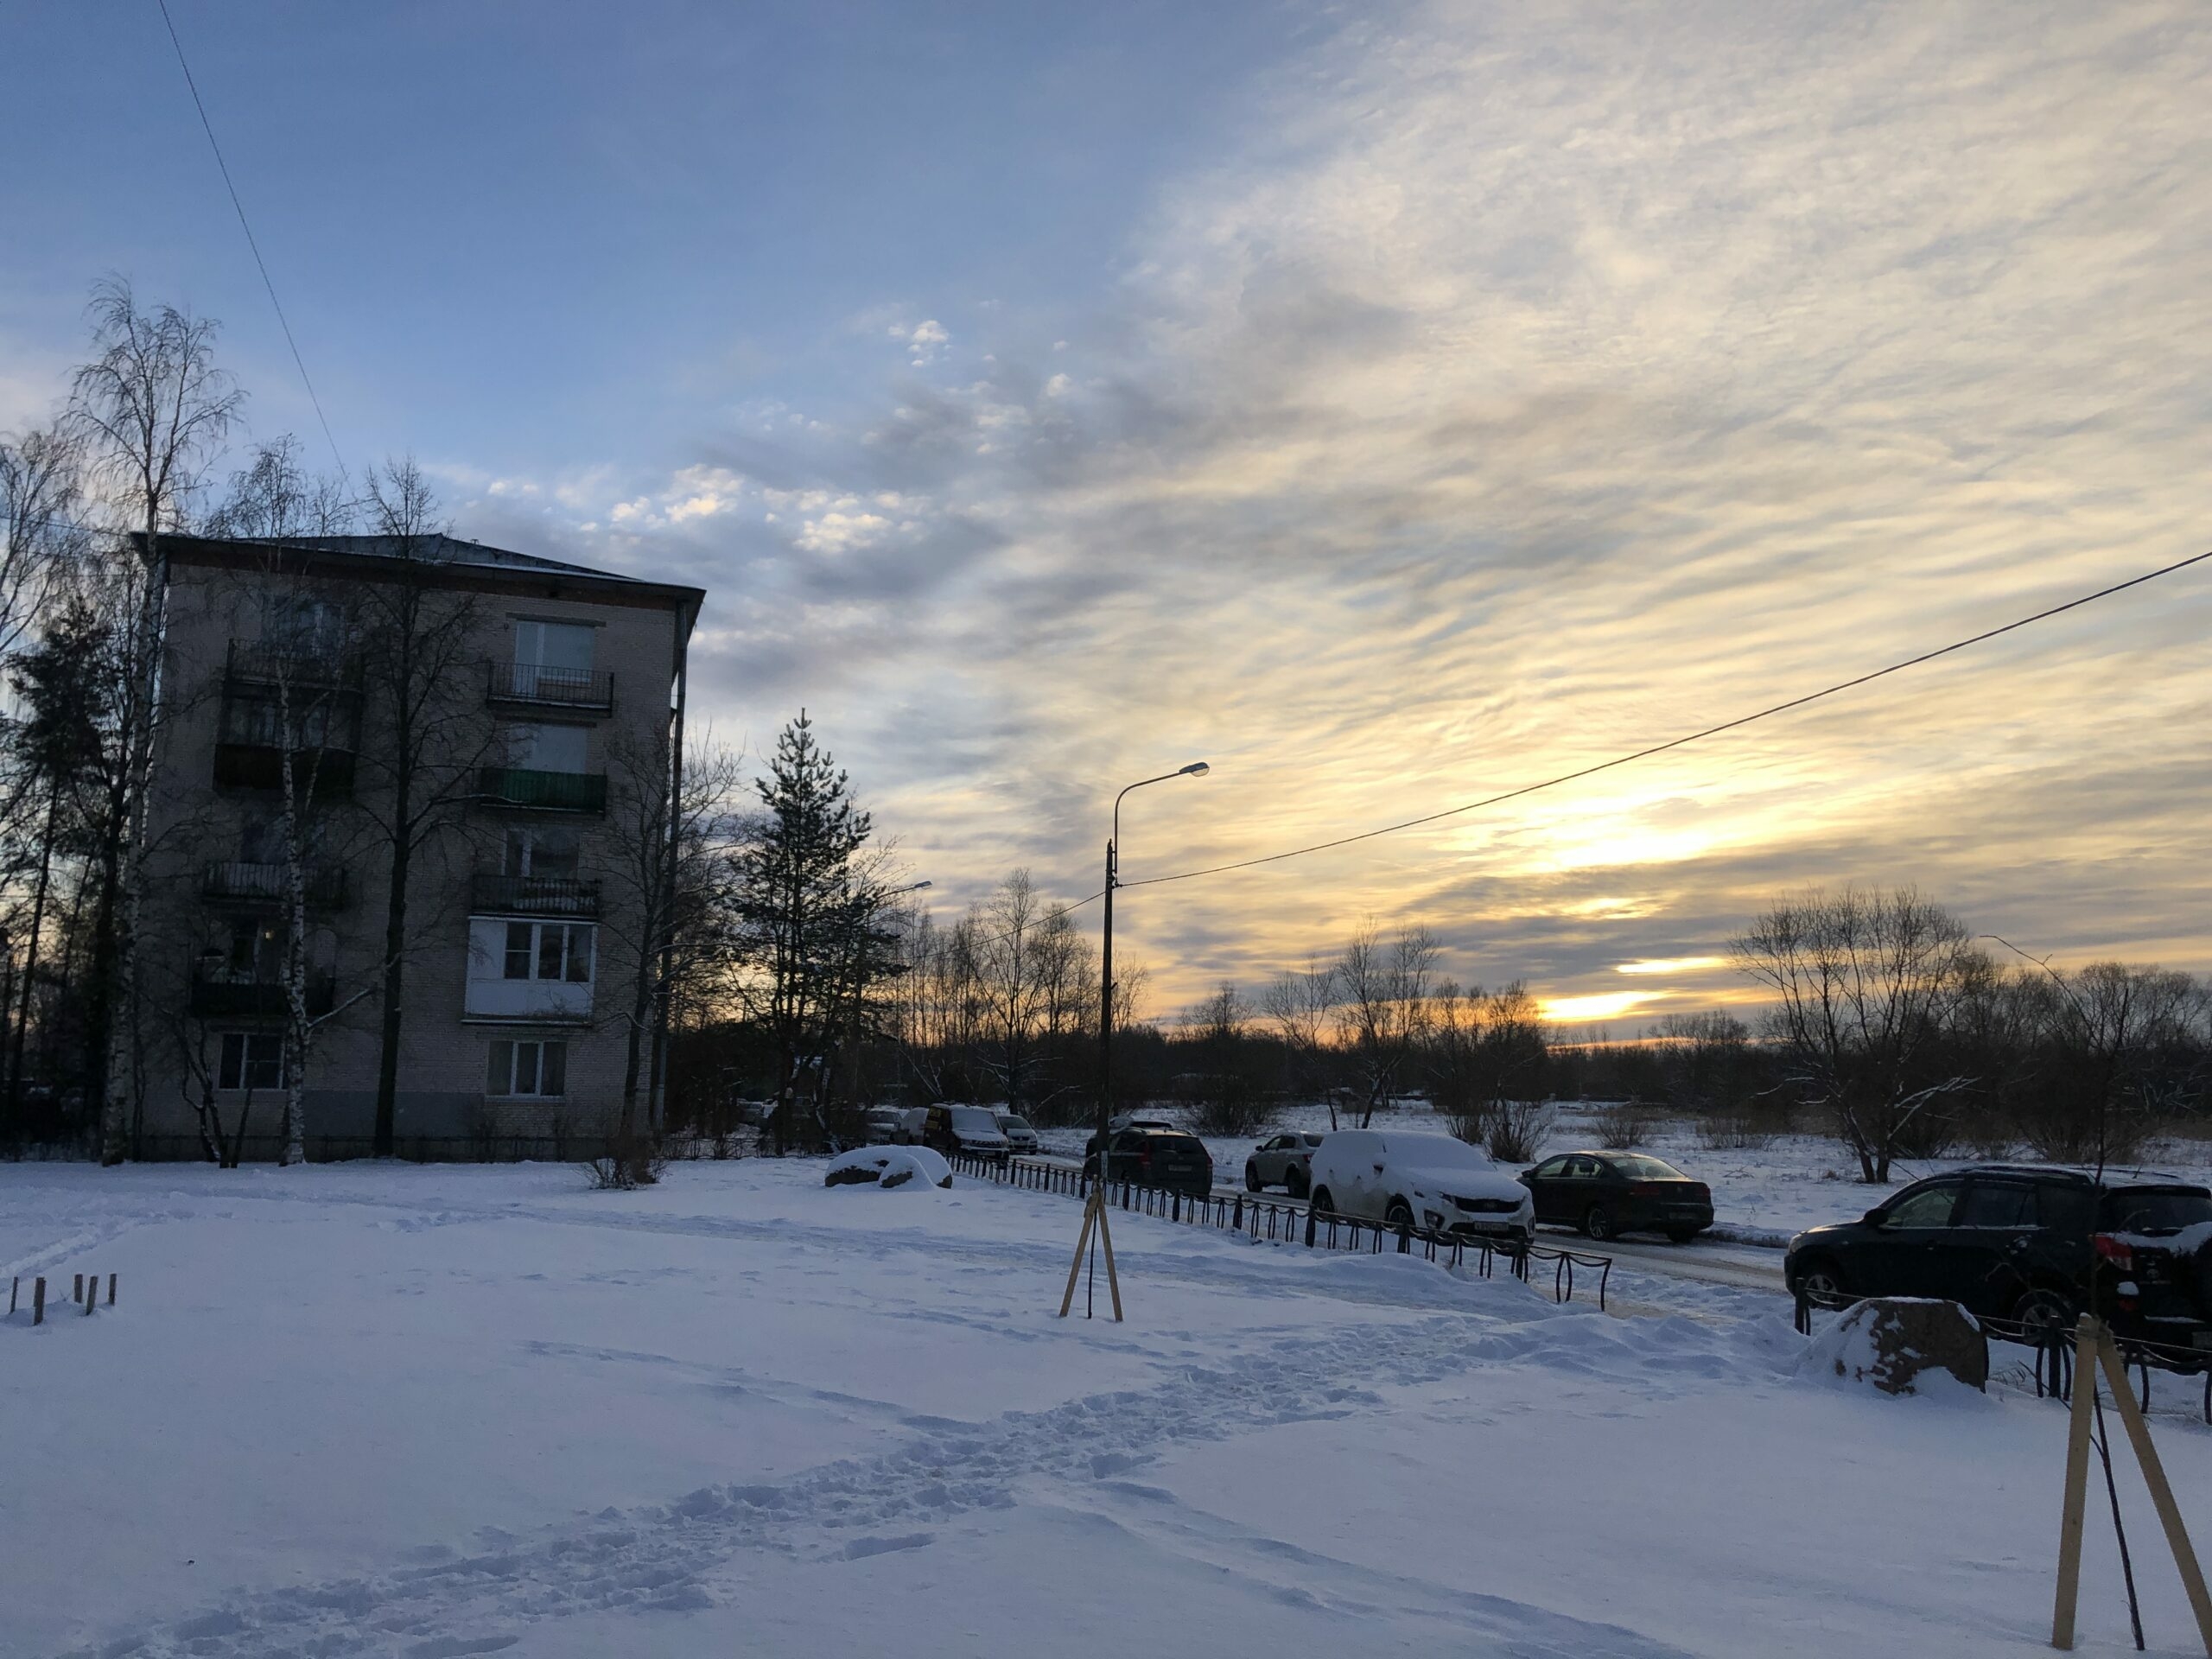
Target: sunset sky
[1389, 405]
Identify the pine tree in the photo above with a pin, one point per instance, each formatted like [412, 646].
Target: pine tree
[798, 884]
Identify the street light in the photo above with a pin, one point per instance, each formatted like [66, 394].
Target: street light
[1094, 1212]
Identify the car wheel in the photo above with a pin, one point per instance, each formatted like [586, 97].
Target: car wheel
[1820, 1281]
[2043, 1311]
[1682, 1234]
[1323, 1204]
[1251, 1178]
[1598, 1222]
[1295, 1182]
[1400, 1214]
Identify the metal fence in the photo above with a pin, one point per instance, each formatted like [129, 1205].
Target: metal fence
[1284, 1223]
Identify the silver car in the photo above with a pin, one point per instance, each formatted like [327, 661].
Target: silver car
[1019, 1134]
[1283, 1160]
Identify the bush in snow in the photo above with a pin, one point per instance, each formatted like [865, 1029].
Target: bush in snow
[1893, 1343]
[628, 1161]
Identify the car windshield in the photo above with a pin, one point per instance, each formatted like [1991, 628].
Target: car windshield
[974, 1120]
[1014, 1125]
[1441, 1150]
[2156, 1212]
[1637, 1167]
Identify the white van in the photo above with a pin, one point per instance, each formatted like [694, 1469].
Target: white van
[1430, 1181]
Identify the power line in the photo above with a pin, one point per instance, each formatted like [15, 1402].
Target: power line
[275, 304]
[1693, 737]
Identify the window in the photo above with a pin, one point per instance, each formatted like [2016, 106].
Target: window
[1927, 1206]
[545, 748]
[256, 952]
[538, 1070]
[1638, 1167]
[252, 1059]
[555, 951]
[311, 627]
[541, 852]
[1998, 1204]
[555, 645]
[1581, 1169]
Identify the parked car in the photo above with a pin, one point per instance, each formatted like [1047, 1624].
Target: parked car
[1431, 1181]
[883, 1124]
[1282, 1161]
[970, 1130]
[2031, 1243]
[1018, 1135]
[1603, 1193]
[1154, 1155]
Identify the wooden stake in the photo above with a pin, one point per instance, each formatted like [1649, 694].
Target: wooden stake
[15, 1288]
[77, 1289]
[1113, 1280]
[1082, 1240]
[92, 1295]
[110, 1290]
[2162, 1494]
[2077, 1484]
[38, 1302]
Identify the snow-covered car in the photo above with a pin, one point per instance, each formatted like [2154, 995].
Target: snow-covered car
[970, 1130]
[1430, 1181]
[1282, 1160]
[1019, 1134]
[888, 1166]
[884, 1124]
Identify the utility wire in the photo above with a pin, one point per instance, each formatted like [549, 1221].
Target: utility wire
[275, 304]
[1692, 737]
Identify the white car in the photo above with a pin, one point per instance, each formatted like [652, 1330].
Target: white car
[1430, 1181]
[1019, 1134]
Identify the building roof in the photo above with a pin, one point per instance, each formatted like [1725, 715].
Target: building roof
[449, 552]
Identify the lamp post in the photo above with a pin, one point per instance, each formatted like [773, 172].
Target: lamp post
[1094, 1213]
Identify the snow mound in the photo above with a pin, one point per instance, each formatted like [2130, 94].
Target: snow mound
[915, 1167]
[1900, 1344]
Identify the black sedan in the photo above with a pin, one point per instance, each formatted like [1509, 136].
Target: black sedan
[1605, 1193]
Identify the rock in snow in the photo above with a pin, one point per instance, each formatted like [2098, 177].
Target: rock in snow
[888, 1166]
[1893, 1342]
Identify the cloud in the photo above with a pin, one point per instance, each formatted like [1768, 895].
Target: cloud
[1521, 388]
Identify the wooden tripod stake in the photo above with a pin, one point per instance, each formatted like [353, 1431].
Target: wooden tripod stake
[2094, 1350]
[1093, 1215]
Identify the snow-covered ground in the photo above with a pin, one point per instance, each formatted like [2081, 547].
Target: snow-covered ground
[1761, 1195]
[385, 1410]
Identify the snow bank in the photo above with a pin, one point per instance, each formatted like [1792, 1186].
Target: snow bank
[1901, 1345]
[912, 1169]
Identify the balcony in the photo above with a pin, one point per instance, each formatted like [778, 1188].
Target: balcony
[328, 772]
[270, 662]
[534, 895]
[543, 791]
[534, 685]
[239, 882]
[220, 992]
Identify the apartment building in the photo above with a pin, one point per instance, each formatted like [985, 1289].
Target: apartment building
[514, 720]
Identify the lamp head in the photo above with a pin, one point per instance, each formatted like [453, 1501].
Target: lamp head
[1196, 769]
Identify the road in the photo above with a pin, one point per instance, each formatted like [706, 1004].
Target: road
[1742, 1267]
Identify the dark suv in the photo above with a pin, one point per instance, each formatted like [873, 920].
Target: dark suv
[1154, 1156]
[2033, 1244]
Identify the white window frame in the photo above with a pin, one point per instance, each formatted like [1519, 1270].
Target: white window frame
[249, 1043]
[512, 1050]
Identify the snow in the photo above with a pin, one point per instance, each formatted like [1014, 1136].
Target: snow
[1845, 1353]
[389, 1409]
[891, 1169]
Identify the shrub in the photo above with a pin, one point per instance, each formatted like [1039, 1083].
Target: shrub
[1620, 1124]
[1517, 1130]
[628, 1161]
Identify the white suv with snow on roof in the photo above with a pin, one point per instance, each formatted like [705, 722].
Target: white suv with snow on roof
[1429, 1181]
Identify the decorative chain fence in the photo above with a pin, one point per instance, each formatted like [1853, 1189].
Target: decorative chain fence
[1284, 1223]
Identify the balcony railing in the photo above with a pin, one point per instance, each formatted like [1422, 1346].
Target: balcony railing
[533, 895]
[555, 688]
[257, 765]
[239, 882]
[544, 791]
[268, 662]
[225, 993]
